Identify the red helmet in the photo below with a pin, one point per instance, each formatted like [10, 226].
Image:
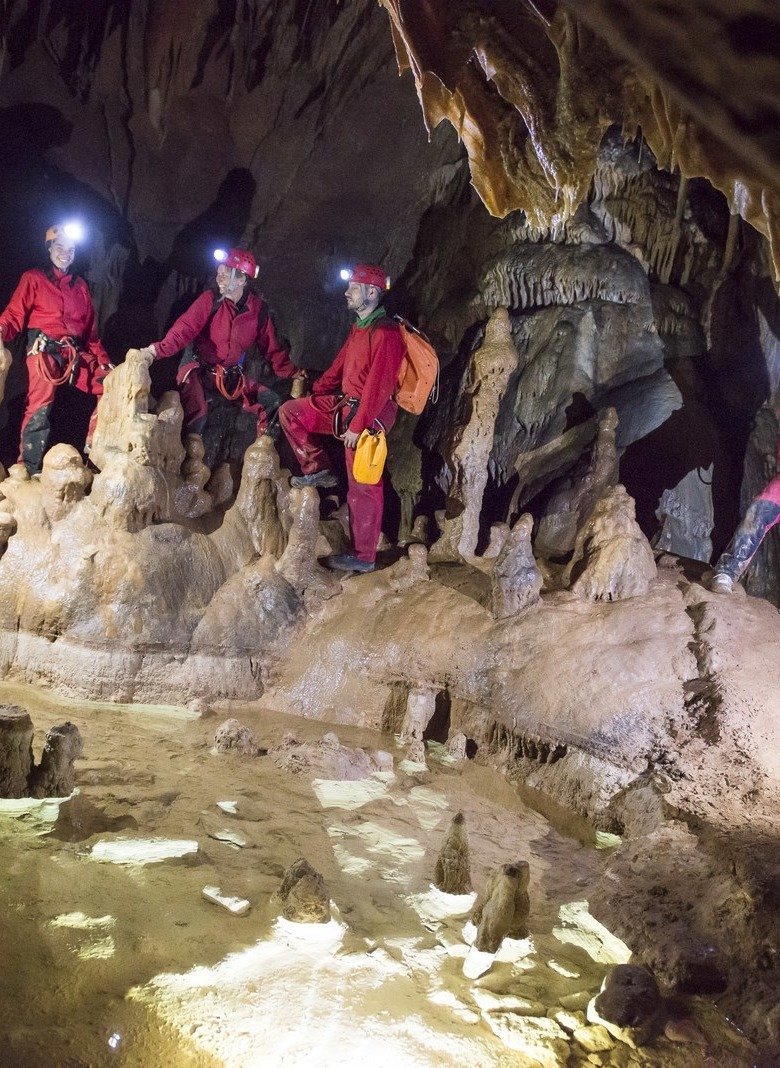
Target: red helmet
[369, 274]
[239, 258]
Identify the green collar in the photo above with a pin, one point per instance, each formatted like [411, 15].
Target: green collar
[370, 319]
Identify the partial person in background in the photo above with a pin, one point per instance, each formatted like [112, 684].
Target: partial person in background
[761, 516]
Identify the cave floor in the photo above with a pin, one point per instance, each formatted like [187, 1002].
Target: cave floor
[129, 965]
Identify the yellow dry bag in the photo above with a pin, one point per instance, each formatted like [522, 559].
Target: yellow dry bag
[370, 456]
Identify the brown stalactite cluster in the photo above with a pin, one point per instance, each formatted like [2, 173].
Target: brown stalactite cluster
[531, 97]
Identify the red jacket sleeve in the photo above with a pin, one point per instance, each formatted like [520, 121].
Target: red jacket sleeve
[14, 318]
[387, 353]
[269, 346]
[90, 339]
[186, 328]
[330, 379]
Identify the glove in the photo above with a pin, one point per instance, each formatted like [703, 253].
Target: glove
[148, 355]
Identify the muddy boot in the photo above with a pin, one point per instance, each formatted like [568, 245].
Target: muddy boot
[35, 438]
[759, 518]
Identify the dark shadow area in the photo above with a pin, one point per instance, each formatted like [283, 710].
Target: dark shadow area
[438, 728]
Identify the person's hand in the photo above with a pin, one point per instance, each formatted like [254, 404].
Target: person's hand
[350, 438]
[148, 354]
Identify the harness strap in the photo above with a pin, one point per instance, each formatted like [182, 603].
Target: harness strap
[221, 384]
[341, 425]
[67, 349]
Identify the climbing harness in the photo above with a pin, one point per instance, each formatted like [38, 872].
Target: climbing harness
[64, 352]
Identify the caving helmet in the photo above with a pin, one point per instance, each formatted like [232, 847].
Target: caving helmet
[238, 259]
[367, 274]
[73, 230]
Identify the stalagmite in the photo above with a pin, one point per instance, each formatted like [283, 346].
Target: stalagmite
[64, 481]
[489, 371]
[16, 755]
[55, 775]
[612, 557]
[303, 896]
[298, 563]
[515, 578]
[192, 500]
[232, 736]
[499, 533]
[452, 873]
[503, 906]
[418, 560]
[420, 706]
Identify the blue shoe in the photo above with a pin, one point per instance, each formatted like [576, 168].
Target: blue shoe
[320, 479]
[348, 563]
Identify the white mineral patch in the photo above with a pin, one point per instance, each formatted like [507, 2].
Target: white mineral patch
[540, 1039]
[142, 850]
[350, 864]
[491, 1001]
[78, 921]
[411, 767]
[239, 906]
[297, 998]
[562, 969]
[41, 809]
[233, 837]
[477, 963]
[378, 839]
[605, 840]
[336, 793]
[448, 1000]
[434, 905]
[428, 806]
[425, 796]
[231, 807]
[516, 951]
[581, 929]
[100, 949]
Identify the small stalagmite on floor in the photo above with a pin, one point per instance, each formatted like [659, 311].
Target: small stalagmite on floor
[16, 756]
[515, 579]
[303, 895]
[232, 736]
[55, 775]
[502, 908]
[452, 873]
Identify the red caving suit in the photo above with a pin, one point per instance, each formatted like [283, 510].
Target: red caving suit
[221, 340]
[365, 370]
[58, 306]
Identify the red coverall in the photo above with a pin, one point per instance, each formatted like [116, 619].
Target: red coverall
[365, 369]
[58, 306]
[222, 341]
[761, 516]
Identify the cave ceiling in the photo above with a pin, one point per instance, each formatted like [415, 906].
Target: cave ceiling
[530, 87]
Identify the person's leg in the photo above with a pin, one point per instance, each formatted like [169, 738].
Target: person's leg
[365, 505]
[759, 519]
[36, 426]
[263, 403]
[193, 396]
[305, 422]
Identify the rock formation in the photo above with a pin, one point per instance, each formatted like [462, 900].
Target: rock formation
[612, 558]
[502, 907]
[630, 998]
[232, 736]
[16, 755]
[515, 578]
[489, 371]
[302, 895]
[420, 706]
[452, 873]
[55, 775]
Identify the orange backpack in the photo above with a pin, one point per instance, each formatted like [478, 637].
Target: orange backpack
[418, 378]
